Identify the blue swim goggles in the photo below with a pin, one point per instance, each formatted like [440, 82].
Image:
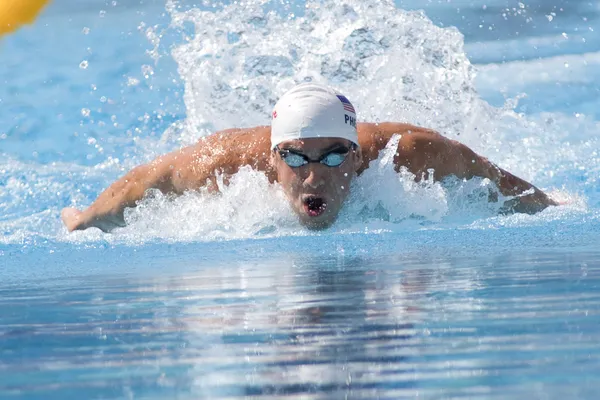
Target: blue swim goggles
[334, 158]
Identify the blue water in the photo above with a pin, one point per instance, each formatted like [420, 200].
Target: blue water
[203, 297]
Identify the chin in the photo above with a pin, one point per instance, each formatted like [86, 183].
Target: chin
[316, 224]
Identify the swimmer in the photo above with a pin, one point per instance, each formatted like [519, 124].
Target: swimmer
[313, 148]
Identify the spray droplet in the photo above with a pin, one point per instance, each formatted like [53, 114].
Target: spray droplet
[83, 64]
[147, 71]
[85, 112]
[85, 30]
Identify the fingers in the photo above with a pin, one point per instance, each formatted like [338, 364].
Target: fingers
[72, 218]
[75, 219]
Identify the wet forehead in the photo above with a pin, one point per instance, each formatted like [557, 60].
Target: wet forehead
[314, 145]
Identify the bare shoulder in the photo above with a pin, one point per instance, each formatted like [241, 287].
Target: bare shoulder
[414, 143]
[423, 141]
[224, 151]
[236, 139]
[376, 136]
[233, 148]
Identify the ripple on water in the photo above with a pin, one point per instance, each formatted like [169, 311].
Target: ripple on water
[524, 324]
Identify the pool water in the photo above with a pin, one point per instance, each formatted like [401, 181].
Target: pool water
[418, 290]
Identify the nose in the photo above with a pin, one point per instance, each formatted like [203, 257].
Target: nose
[314, 176]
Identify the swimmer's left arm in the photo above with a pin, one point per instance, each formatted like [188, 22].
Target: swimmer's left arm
[426, 150]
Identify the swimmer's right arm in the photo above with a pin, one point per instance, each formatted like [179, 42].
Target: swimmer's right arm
[175, 172]
[190, 168]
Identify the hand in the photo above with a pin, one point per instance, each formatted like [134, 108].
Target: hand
[529, 204]
[72, 218]
[75, 219]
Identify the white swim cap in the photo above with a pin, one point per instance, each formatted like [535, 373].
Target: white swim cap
[310, 110]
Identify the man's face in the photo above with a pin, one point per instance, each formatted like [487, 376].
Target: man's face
[316, 191]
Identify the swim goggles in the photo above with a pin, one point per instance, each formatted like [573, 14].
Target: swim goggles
[293, 159]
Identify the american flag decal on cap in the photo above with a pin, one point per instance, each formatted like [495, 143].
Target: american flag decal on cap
[347, 105]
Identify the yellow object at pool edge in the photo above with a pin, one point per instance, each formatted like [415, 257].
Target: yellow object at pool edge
[15, 13]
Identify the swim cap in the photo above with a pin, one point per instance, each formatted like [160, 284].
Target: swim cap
[310, 110]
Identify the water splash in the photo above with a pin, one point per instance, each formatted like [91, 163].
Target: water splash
[393, 64]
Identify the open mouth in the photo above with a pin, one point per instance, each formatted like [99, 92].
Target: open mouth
[314, 206]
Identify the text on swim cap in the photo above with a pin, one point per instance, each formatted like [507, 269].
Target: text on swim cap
[349, 119]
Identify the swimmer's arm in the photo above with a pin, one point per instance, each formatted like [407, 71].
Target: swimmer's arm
[426, 150]
[175, 173]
